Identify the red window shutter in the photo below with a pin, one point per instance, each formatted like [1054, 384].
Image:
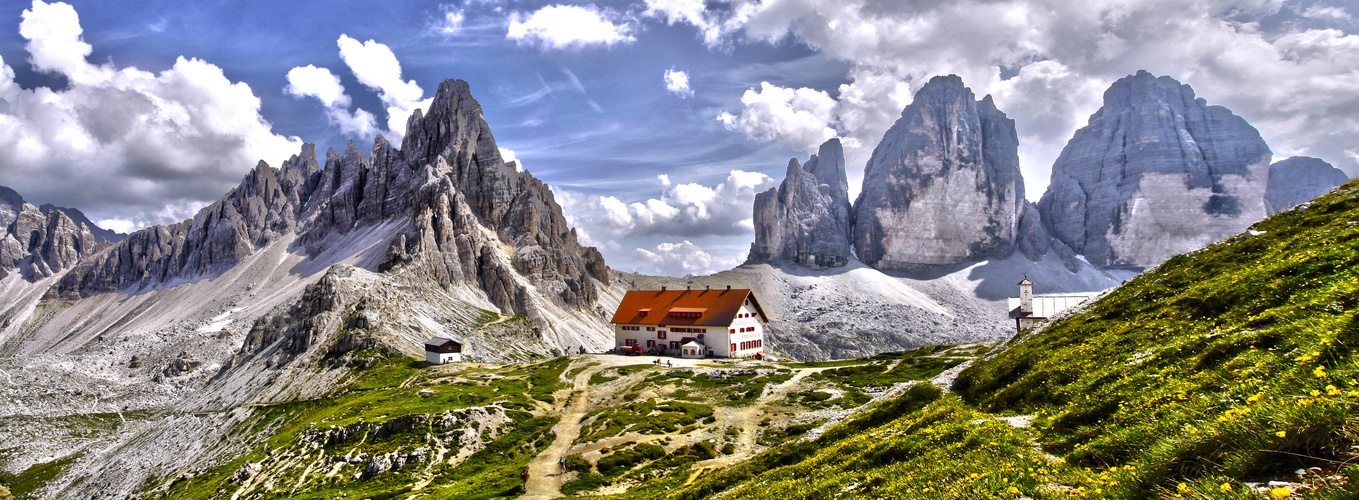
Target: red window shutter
[733, 347]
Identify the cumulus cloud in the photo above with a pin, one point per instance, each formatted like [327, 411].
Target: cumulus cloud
[568, 26]
[682, 259]
[311, 81]
[677, 82]
[125, 145]
[376, 67]
[685, 210]
[801, 118]
[1047, 63]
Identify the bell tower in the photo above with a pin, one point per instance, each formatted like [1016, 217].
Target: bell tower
[1026, 296]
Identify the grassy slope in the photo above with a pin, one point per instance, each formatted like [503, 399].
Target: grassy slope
[1229, 365]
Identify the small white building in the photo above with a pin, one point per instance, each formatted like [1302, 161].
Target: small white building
[1028, 309]
[725, 323]
[439, 350]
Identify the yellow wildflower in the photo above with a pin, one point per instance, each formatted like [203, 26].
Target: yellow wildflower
[1281, 434]
[1226, 488]
[1280, 493]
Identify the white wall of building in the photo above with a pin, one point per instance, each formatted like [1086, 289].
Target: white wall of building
[440, 358]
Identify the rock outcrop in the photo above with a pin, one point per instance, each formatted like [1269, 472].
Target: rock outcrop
[38, 242]
[459, 212]
[1299, 179]
[807, 219]
[943, 186]
[1156, 172]
[79, 217]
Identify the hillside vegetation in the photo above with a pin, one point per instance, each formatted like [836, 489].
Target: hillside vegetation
[1224, 373]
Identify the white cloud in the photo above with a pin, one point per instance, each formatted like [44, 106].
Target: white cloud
[376, 67]
[451, 22]
[567, 26]
[677, 82]
[122, 143]
[309, 80]
[507, 155]
[1320, 12]
[686, 210]
[801, 118]
[682, 259]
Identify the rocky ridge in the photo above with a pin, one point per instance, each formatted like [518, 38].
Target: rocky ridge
[807, 219]
[37, 242]
[445, 187]
[1299, 179]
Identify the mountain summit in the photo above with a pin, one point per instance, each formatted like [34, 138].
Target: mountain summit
[943, 186]
[1156, 172]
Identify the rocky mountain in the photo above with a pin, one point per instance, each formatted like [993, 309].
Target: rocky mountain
[807, 219]
[1156, 172]
[285, 289]
[943, 186]
[1299, 179]
[448, 199]
[37, 242]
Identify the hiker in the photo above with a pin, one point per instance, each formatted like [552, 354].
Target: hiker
[669, 364]
[562, 462]
[524, 475]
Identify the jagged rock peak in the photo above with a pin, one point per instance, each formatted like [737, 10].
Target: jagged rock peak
[1156, 172]
[1299, 179]
[807, 219]
[943, 186]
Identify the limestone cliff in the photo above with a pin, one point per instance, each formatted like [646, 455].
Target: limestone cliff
[1156, 172]
[943, 186]
[807, 219]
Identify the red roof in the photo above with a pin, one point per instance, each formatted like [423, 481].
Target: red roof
[690, 307]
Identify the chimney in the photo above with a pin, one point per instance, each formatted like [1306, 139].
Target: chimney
[707, 287]
[662, 288]
[728, 287]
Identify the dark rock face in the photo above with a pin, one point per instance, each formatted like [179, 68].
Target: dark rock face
[807, 219]
[943, 186]
[1155, 173]
[39, 242]
[457, 206]
[1299, 179]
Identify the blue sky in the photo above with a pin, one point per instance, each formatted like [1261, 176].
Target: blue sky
[143, 112]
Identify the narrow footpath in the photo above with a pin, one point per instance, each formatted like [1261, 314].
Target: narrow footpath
[545, 474]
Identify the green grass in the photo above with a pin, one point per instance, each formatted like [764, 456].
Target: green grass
[650, 417]
[24, 484]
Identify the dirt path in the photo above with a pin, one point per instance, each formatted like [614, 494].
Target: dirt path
[545, 475]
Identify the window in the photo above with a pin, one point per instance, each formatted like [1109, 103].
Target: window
[733, 347]
[660, 335]
[650, 343]
[674, 344]
[630, 342]
[650, 328]
[733, 330]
